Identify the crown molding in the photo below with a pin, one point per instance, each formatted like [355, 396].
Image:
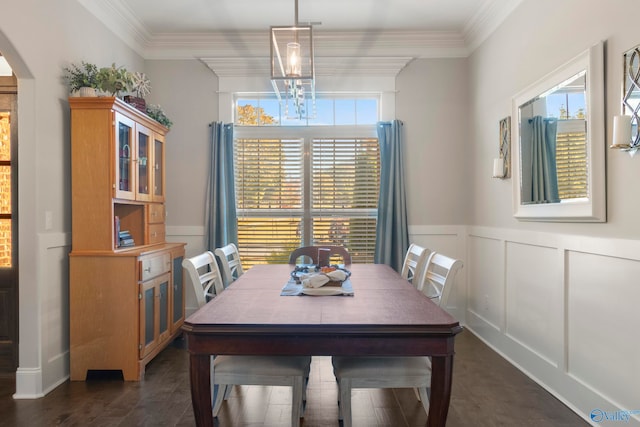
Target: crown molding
[256, 44]
[486, 21]
[325, 66]
[119, 18]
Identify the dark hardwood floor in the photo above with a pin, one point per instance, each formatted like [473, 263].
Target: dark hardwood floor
[487, 391]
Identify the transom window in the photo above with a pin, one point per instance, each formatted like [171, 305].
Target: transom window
[336, 110]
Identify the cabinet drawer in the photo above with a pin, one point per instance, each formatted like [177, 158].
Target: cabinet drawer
[153, 266]
[156, 233]
[156, 213]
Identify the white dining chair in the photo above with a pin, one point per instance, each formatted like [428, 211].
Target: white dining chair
[394, 372]
[438, 276]
[203, 278]
[227, 371]
[230, 261]
[414, 264]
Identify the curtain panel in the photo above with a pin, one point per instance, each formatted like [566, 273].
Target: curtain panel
[221, 219]
[392, 233]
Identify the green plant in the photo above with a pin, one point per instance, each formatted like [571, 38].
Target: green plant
[156, 113]
[114, 80]
[81, 75]
[140, 84]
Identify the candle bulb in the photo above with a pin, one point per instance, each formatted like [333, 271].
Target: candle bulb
[498, 168]
[621, 131]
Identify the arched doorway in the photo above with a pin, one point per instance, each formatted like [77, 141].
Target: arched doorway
[8, 220]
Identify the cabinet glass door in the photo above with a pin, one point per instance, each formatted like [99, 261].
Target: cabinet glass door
[158, 168]
[143, 170]
[125, 178]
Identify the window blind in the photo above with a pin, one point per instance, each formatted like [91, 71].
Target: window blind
[297, 192]
[571, 164]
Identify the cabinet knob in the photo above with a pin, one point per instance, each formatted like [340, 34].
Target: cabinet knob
[148, 269]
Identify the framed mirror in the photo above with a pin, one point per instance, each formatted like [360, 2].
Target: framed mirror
[559, 144]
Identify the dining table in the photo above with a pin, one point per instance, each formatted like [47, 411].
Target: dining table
[384, 315]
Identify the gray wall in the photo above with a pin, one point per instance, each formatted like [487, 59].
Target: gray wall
[554, 298]
[451, 109]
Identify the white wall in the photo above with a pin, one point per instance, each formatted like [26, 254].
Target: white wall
[557, 299]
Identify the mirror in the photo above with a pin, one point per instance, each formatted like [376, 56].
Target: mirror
[558, 144]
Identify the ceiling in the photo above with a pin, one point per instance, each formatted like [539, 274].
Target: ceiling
[234, 33]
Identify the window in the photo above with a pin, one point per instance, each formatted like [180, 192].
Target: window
[571, 159]
[306, 182]
[305, 191]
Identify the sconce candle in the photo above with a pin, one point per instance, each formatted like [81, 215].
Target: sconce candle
[621, 131]
[498, 168]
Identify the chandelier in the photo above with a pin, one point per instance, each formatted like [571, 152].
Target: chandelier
[292, 69]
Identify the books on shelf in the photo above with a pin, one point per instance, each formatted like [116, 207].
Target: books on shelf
[125, 239]
[116, 228]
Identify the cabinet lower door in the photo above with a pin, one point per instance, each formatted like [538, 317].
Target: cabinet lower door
[154, 313]
[177, 315]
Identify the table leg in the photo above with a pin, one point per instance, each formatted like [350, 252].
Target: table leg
[441, 376]
[200, 371]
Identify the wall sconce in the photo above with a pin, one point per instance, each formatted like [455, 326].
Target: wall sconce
[625, 127]
[502, 165]
[622, 135]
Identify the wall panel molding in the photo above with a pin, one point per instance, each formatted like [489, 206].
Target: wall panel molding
[567, 310]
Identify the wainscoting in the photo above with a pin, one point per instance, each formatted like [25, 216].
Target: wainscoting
[562, 308]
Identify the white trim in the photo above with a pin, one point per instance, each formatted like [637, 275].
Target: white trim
[28, 383]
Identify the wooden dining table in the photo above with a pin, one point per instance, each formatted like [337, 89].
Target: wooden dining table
[385, 316]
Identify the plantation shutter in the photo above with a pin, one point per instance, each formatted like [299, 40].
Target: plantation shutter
[269, 197]
[571, 160]
[345, 179]
[292, 194]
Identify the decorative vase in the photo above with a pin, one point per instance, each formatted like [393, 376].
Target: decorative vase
[87, 92]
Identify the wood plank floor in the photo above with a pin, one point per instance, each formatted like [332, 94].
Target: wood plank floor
[487, 391]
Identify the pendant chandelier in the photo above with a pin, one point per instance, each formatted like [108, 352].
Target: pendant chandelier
[292, 69]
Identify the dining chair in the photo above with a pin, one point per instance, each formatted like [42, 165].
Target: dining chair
[438, 276]
[230, 261]
[414, 264]
[312, 253]
[227, 371]
[393, 372]
[204, 278]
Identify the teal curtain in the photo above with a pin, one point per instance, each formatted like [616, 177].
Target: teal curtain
[392, 233]
[221, 219]
[544, 176]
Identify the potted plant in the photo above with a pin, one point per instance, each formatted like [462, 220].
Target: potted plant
[156, 113]
[82, 79]
[141, 87]
[114, 80]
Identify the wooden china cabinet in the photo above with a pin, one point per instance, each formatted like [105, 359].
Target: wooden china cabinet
[126, 282]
